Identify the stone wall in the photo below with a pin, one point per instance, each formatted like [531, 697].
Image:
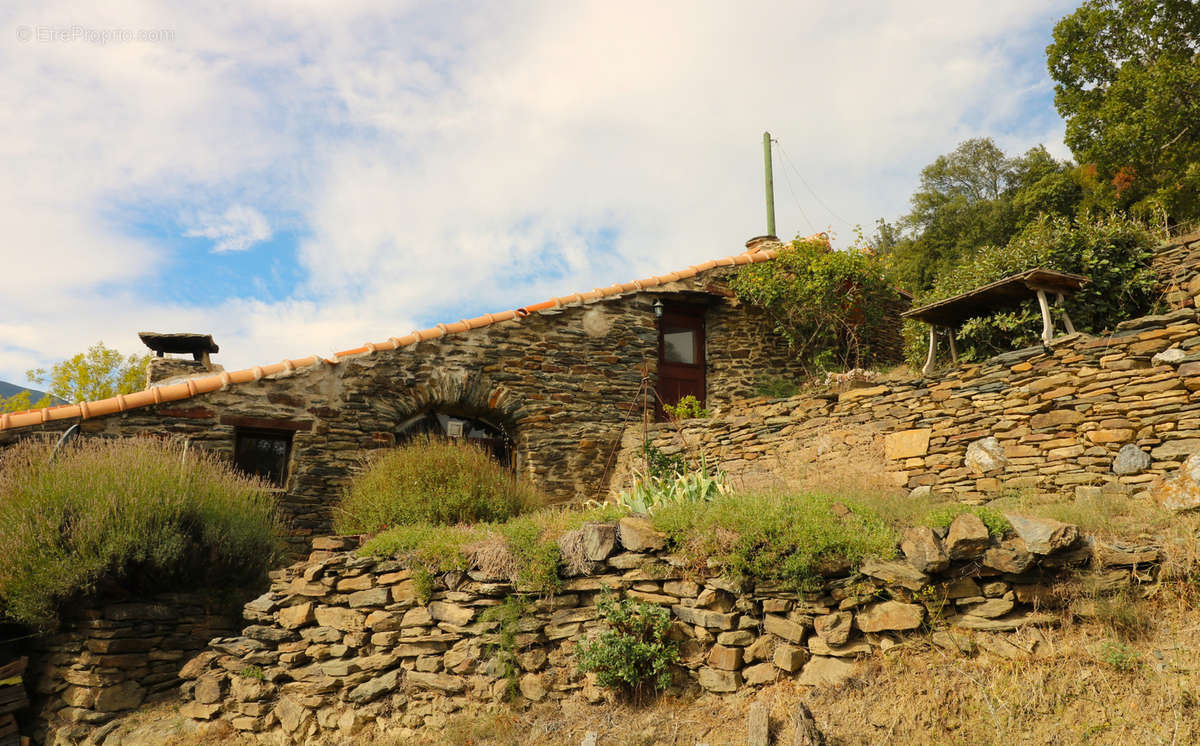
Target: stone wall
[561, 382]
[1178, 266]
[109, 660]
[341, 639]
[1090, 414]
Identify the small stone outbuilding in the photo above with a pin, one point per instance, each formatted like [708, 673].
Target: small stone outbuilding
[549, 387]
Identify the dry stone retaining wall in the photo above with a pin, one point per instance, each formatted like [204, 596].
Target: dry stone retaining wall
[342, 639]
[1090, 414]
[109, 660]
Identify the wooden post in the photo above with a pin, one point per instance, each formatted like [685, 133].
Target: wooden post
[953, 349]
[928, 368]
[1047, 323]
[1066, 319]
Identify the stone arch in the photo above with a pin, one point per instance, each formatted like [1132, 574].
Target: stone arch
[463, 394]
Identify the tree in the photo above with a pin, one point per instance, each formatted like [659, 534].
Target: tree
[1127, 83]
[99, 373]
[972, 197]
[22, 401]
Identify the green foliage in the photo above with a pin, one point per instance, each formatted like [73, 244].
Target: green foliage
[829, 305]
[1120, 655]
[662, 466]
[432, 480]
[139, 514]
[99, 373]
[537, 555]
[427, 549]
[508, 615]
[974, 196]
[633, 656]
[789, 538]
[23, 401]
[687, 408]
[1127, 83]
[776, 387]
[1114, 252]
[651, 493]
[995, 521]
[253, 672]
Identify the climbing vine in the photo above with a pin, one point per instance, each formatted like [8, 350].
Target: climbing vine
[829, 305]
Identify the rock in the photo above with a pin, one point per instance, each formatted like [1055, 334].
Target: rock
[737, 638]
[439, 681]
[897, 573]
[989, 609]
[374, 688]
[447, 612]
[1180, 491]
[890, 615]
[1130, 460]
[637, 534]
[1012, 556]
[294, 617]
[338, 618]
[758, 725]
[855, 649]
[1001, 624]
[1178, 447]
[1169, 356]
[124, 696]
[952, 642]
[789, 657]
[906, 443]
[967, 538]
[199, 711]
[1043, 535]
[209, 688]
[757, 675]
[834, 628]
[291, 714]
[726, 659]
[923, 490]
[923, 550]
[1055, 418]
[532, 687]
[370, 597]
[417, 616]
[759, 650]
[198, 665]
[599, 540]
[962, 588]
[704, 617]
[826, 671]
[715, 680]
[984, 455]
[785, 628]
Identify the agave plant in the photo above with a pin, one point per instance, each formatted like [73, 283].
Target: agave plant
[698, 485]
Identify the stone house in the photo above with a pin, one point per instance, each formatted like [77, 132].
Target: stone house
[548, 387]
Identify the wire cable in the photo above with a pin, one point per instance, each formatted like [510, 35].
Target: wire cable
[812, 228]
[817, 197]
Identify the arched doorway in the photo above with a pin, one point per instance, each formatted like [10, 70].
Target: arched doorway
[447, 423]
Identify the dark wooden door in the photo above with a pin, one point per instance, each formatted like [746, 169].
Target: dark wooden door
[680, 355]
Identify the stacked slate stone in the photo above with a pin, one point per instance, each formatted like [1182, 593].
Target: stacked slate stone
[110, 660]
[343, 639]
[12, 700]
[1091, 416]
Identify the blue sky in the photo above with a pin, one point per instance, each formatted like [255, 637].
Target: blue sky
[301, 178]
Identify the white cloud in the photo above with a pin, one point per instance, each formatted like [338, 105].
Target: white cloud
[444, 158]
[236, 229]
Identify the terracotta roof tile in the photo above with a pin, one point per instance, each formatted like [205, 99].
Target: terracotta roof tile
[204, 384]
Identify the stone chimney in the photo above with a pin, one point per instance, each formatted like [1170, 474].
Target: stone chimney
[760, 243]
[162, 368]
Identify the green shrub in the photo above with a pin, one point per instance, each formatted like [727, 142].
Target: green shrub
[995, 521]
[432, 480]
[504, 649]
[138, 513]
[687, 408]
[776, 387]
[633, 656]
[831, 306]
[787, 538]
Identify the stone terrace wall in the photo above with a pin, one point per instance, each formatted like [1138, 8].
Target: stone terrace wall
[1178, 267]
[341, 639]
[1106, 413]
[110, 660]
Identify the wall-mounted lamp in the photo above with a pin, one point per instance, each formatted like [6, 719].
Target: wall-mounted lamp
[658, 308]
